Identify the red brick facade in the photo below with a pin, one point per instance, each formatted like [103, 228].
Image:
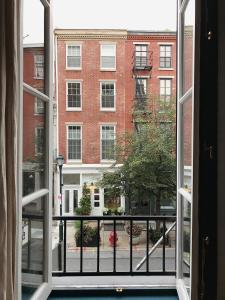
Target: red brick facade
[91, 117]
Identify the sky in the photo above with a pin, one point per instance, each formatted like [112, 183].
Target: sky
[100, 14]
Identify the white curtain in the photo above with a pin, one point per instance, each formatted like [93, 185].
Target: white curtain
[9, 96]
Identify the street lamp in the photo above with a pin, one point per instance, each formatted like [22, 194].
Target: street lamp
[60, 162]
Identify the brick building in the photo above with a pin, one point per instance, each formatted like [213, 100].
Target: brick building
[34, 121]
[101, 75]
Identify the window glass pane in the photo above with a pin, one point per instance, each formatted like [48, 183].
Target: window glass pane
[32, 245]
[75, 200]
[186, 232]
[187, 144]
[165, 57]
[33, 43]
[73, 56]
[74, 142]
[33, 145]
[165, 94]
[70, 179]
[74, 94]
[107, 95]
[67, 202]
[188, 46]
[108, 56]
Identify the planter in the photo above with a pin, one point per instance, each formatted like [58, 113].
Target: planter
[135, 240]
[92, 242]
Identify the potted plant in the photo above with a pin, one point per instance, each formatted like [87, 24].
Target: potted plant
[136, 232]
[120, 211]
[155, 235]
[85, 202]
[90, 236]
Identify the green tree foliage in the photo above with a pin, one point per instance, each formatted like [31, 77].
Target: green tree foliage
[85, 202]
[147, 163]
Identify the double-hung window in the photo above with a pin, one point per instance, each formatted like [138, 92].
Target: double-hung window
[108, 57]
[39, 140]
[141, 56]
[107, 92]
[141, 87]
[39, 104]
[108, 142]
[73, 57]
[165, 59]
[39, 66]
[74, 138]
[73, 94]
[165, 93]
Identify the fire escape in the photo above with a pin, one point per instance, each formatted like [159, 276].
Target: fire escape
[142, 67]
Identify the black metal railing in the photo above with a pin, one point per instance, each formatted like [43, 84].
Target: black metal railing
[134, 260]
[143, 60]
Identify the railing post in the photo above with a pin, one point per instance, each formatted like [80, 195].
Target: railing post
[147, 247]
[114, 246]
[131, 246]
[64, 250]
[81, 245]
[98, 252]
[164, 244]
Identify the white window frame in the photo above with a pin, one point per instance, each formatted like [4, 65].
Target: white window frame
[81, 95]
[108, 108]
[74, 44]
[101, 67]
[171, 56]
[67, 143]
[114, 127]
[164, 95]
[36, 112]
[36, 135]
[35, 66]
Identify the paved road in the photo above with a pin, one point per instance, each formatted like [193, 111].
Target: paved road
[122, 260]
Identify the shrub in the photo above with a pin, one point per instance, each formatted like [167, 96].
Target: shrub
[85, 202]
[136, 230]
[89, 233]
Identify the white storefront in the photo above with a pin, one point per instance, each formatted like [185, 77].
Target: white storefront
[74, 177]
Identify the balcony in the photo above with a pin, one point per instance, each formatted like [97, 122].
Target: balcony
[142, 60]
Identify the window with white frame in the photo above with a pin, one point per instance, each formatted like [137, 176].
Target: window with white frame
[108, 56]
[108, 142]
[39, 140]
[73, 57]
[39, 66]
[74, 142]
[141, 55]
[165, 93]
[141, 87]
[165, 59]
[107, 93]
[74, 92]
[39, 106]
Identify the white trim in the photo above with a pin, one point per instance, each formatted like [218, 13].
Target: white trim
[166, 43]
[108, 123]
[141, 76]
[34, 196]
[115, 51]
[81, 95]
[165, 77]
[181, 290]
[81, 144]
[74, 123]
[74, 44]
[34, 92]
[166, 69]
[110, 109]
[107, 43]
[185, 194]
[141, 43]
[42, 292]
[107, 80]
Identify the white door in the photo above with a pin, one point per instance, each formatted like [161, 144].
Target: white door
[185, 132]
[96, 203]
[70, 201]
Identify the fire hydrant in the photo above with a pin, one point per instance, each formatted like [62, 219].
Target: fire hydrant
[112, 238]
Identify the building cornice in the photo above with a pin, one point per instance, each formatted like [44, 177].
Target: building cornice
[90, 34]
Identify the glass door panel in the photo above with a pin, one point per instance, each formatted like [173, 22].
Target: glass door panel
[185, 92]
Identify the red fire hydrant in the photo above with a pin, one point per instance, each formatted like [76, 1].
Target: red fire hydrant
[112, 238]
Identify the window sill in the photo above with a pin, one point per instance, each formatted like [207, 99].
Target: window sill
[73, 109]
[166, 69]
[108, 109]
[39, 114]
[73, 69]
[108, 70]
[107, 161]
[39, 78]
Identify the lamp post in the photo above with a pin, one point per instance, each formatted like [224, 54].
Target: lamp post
[60, 162]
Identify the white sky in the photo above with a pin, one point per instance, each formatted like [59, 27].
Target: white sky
[102, 14]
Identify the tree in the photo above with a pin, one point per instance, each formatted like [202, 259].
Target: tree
[85, 202]
[148, 164]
